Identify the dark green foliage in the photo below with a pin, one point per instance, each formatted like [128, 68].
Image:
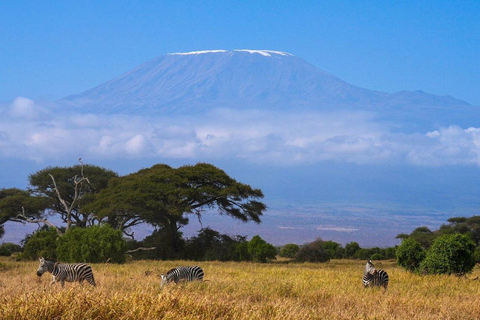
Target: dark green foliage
[211, 245]
[241, 252]
[390, 253]
[260, 251]
[410, 254]
[450, 254]
[6, 249]
[477, 254]
[424, 236]
[289, 250]
[335, 250]
[161, 238]
[313, 252]
[370, 253]
[42, 243]
[351, 250]
[92, 244]
[377, 256]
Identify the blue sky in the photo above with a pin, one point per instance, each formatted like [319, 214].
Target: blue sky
[57, 48]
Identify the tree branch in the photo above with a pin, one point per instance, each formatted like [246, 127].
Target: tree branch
[140, 249]
[22, 218]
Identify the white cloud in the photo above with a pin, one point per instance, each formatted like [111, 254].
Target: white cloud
[253, 136]
[25, 108]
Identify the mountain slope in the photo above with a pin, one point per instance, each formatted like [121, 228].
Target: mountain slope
[196, 82]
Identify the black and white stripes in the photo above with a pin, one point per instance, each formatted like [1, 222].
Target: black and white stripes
[182, 274]
[374, 277]
[66, 272]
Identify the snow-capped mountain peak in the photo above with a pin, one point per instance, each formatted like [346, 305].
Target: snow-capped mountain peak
[265, 53]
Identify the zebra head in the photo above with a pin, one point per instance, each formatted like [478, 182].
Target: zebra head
[369, 268]
[164, 280]
[43, 267]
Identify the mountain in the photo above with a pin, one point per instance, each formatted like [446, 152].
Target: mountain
[196, 82]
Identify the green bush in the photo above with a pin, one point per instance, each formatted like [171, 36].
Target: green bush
[261, 251]
[377, 256]
[241, 252]
[6, 249]
[313, 252]
[162, 239]
[477, 254]
[351, 250]
[451, 253]
[289, 250]
[42, 243]
[92, 244]
[410, 254]
[210, 245]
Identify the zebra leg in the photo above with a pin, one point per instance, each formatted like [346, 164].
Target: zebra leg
[63, 283]
[53, 280]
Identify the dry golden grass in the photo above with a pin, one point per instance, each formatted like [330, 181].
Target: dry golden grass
[237, 291]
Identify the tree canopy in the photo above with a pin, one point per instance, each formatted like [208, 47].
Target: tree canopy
[15, 203]
[167, 197]
[75, 185]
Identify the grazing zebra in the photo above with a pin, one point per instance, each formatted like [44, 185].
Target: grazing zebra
[182, 274]
[66, 272]
[374, 277]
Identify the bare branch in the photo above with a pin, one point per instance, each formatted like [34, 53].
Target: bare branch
[140, 249]
[77, 182]
[129, 234]
[23, 219]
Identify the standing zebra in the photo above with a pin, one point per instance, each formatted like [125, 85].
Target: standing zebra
[182, 274]
[374, 277]
[66, 272]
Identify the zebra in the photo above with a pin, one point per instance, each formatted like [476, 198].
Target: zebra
[66, 272]
[182, 274]
[374, 277]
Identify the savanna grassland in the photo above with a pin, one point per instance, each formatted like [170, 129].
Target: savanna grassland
[237, 291]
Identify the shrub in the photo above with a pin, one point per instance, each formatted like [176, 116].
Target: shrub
[335, 250]
[6, 249]
[261, 251]
[351, 250]
[241, 252]
[377, 256]
[211, 245]
[451, 253]
[42, 243]
[162, 239]
[92, 244]
[410, 254]
[313, 252]
[477, 254]
[289, 250]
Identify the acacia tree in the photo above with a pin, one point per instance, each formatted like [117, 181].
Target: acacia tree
[68, 188]
[20, 206]
[166, 197]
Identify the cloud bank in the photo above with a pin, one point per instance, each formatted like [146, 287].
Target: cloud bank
[34, 132]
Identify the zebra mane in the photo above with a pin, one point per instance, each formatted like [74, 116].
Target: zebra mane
[171, 271]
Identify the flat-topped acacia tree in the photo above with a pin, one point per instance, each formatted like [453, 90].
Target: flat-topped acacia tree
[165, 196]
